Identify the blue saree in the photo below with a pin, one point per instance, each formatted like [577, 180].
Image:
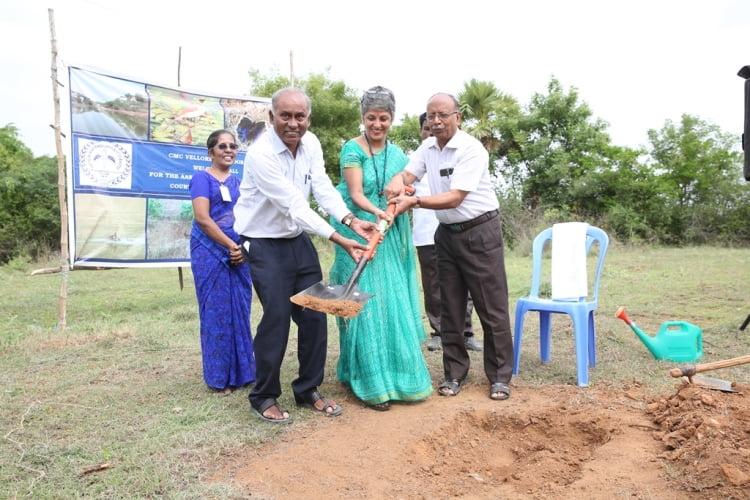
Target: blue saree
[224, 292]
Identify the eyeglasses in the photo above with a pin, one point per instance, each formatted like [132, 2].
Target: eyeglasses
[224, 146]
[442, 116]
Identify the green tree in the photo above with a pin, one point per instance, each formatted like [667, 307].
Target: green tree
[406, 134]
[700, 171]
[484, 111]
[551, 147]
[29, 208]
[335, 115]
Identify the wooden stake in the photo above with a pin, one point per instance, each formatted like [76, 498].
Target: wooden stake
[61, 185]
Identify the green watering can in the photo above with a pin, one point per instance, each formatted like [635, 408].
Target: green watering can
[676, 340]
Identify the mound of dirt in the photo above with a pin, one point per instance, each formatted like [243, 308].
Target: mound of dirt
[555, 441]
[707, 436]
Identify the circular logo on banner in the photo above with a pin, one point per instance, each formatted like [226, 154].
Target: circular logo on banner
[105, 164]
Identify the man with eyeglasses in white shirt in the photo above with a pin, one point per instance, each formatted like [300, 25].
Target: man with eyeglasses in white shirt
[273, 216]
[468, 243]
[424, 224]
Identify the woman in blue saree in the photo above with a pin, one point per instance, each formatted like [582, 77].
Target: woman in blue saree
[222, 280]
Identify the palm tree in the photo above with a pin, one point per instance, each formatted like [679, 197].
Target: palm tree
[488, 115]
[478, 102]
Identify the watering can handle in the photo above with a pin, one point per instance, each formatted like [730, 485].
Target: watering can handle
[376, 238]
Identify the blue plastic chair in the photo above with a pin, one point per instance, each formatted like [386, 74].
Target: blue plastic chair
[581, 310]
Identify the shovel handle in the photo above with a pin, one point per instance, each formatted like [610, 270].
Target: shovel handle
[376, 238]
[379, 234]
[687, 370]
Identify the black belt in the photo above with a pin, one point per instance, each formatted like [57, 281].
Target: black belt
[463, 226]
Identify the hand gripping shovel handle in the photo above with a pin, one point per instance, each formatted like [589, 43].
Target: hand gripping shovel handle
[376, 238]
[372, 243]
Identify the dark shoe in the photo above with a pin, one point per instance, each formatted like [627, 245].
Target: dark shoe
[380, 406]
[264, 406]
[499, 391]
[472, 345]
[435, 343]
[329, 409]
[450, 387]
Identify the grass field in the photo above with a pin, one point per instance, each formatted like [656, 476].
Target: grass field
[122, 384]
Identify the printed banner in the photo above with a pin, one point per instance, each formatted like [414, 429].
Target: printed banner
[134, 149]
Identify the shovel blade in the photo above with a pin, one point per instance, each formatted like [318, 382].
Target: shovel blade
[710, 383]
[332, 299]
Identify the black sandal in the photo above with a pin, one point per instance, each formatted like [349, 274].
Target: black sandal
[453, 385]
[502, 388]
[380, 406]
[265, 405]
[317, 396]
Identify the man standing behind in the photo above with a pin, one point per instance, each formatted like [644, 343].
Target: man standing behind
[424, 224]
[468, 243]
[282, 168]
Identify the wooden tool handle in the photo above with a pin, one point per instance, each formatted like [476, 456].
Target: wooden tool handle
[687, 370]
[376, 238]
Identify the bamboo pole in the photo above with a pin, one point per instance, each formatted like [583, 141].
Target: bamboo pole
[291, 68]
[180, 278]
[61, 183]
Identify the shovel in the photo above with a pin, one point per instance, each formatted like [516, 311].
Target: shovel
[344, 300]
[690, 370]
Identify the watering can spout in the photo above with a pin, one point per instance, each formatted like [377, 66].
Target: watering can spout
[647, 340]
[676, 340]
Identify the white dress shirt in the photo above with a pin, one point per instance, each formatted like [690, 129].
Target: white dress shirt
[276, 186]
[424, 222]
[464, 164]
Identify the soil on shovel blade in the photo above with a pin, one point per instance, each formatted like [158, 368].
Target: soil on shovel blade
[341, 307]
[557, 441]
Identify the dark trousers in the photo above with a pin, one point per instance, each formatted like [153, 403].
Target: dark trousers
[280, 268]
[473, 261]
[431, 291]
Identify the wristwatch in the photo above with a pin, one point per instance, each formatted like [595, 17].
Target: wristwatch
[347, 220]
[419, 200]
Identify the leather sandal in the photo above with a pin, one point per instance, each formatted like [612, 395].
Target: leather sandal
[265, 405]
[380, 406]
[499, 388]
[335, 409]
[452, 385]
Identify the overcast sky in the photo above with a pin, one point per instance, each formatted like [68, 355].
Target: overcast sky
[636, 63]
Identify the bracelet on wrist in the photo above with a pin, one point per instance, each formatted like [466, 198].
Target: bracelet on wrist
[419, 200]
[347, 220]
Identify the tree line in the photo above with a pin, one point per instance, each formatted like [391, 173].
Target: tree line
[551, 159]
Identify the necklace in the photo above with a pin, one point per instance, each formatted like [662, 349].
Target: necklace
[379, 183]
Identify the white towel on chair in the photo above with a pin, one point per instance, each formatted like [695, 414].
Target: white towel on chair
[569, 278]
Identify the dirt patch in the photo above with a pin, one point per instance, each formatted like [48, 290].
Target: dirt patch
[706, 435]
[555, 441]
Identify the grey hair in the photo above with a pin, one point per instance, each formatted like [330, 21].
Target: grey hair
[278, 93]
[378, 98]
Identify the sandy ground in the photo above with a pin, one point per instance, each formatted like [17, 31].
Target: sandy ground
[551, 442]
